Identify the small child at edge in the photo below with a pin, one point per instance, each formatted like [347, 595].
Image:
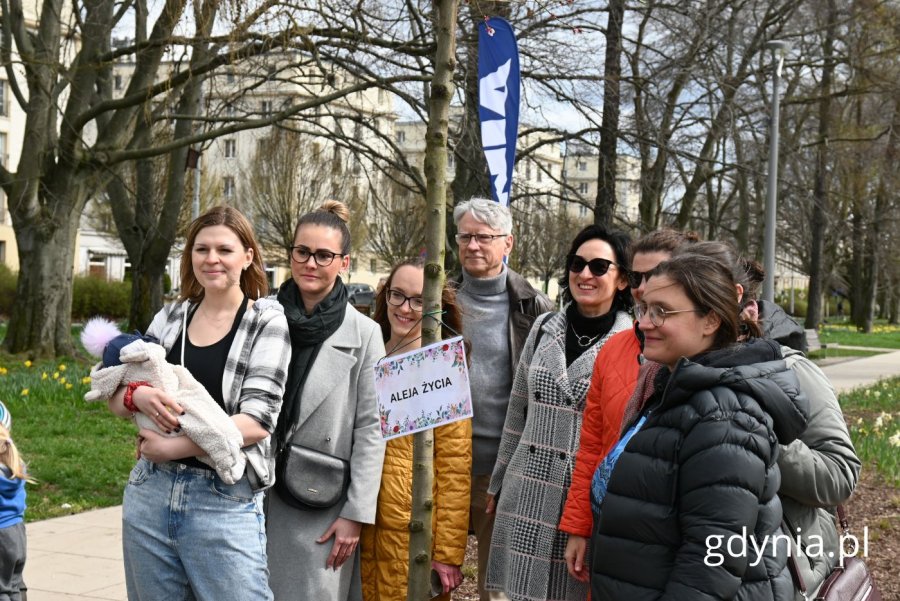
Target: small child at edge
[12, 514]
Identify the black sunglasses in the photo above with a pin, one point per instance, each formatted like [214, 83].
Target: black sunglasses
[598, 267]
[635, 278]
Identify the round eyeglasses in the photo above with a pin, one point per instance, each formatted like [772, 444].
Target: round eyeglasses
[656, 314]
[397, 298]
[324, 258]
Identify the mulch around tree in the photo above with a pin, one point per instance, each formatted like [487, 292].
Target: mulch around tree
[875, 504]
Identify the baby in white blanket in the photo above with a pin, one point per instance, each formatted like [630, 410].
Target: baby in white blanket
[133, 358]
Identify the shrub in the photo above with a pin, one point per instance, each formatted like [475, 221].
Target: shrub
[90, 296]
[7, 289]
[799, 307]
[96, 296]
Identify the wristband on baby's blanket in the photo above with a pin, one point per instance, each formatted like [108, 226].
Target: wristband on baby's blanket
[128, 399]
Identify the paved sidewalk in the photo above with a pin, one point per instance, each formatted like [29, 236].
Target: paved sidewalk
[79, 557]
[76, 557]
[853, 373]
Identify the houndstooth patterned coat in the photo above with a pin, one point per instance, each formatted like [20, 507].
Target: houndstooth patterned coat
[534, 466]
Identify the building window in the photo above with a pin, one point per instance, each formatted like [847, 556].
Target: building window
[117, 82]
[228, 187]
[4, 105]
[583, 188]
[380, 96]
[540, 172]
[2, 251]
[401, 137]
[527, 169]
[230, 110]
[373, 265]
[582, 165]
[229, 76]
[3, 162]
[96, 265]
[582, 211]
[230, 148]
[266, 108]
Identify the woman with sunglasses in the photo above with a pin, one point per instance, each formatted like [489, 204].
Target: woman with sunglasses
[543, 422]
[614, 379]
[385, 545]
[329, 407]
[696, 467]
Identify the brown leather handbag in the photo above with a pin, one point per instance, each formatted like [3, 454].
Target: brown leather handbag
[850, 582]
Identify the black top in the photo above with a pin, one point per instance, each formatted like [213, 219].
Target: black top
[583, 332]
[206, 364]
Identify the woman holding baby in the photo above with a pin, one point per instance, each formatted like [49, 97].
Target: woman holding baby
[186, 533]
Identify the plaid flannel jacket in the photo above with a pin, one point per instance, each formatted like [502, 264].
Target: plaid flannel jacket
[255, 372]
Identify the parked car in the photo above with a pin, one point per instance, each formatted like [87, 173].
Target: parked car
[361, 296]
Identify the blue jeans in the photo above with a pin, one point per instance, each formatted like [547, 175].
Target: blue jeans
[187, 535]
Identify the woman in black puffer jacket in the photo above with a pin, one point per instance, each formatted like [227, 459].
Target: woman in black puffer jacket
[691, 510]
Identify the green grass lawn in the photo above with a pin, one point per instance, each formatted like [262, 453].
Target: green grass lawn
[882, 335]
[831, 353]
[79, 452]
[873, 414]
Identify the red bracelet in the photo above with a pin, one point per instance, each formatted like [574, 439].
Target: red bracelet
[128, 399]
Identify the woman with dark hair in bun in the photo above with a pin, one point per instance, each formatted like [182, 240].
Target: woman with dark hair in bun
[330, 414]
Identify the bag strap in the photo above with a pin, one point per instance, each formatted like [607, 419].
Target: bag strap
[540, 331]
[843, 520]
[793, 568]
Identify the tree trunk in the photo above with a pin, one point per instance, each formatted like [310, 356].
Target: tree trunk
[445, 12]
[741, 233]
[882, 202]
[605, 205]
[41, 319]
[820, 185]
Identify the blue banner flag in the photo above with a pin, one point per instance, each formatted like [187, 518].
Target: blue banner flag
[498, 102]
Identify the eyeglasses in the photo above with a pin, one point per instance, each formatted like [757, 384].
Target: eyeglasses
[636, 278]
[657, 314]
[481, 239]
[324, 258]
[598, 267]
[397, 298]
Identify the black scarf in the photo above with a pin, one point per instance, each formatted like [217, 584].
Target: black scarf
[308, 332]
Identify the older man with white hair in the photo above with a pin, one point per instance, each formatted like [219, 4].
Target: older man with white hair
[499, 308]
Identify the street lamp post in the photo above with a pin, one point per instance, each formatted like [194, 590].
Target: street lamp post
[779, 48]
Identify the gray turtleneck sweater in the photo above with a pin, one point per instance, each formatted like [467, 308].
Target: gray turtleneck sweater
[485, 306]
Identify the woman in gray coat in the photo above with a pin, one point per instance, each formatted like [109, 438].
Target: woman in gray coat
[820, 469]
[329, 406]
[543, 422]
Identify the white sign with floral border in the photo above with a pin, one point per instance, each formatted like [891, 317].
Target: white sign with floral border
[423, 389]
